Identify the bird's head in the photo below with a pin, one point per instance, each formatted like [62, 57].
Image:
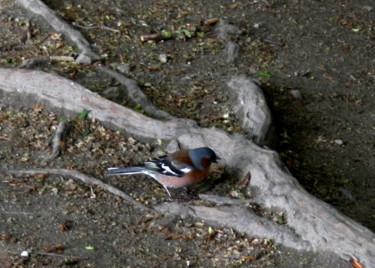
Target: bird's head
[203, 157]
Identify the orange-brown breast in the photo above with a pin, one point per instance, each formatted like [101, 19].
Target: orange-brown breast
[190, 178]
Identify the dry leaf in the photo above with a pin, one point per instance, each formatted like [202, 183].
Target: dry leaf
[4, 116]
[355, 263]
[58, 248]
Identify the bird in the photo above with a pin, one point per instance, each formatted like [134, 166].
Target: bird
[179, 169]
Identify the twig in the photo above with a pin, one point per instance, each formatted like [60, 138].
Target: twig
[273, 42]
[211, 21]
[62, 58]
[60, 255]
[95, 27]
[41, 10]
[56, 141]
[154, 37]
[84, 178]
[135, 94]
[28, 34]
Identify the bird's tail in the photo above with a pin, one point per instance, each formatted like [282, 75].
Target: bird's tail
[113, 171]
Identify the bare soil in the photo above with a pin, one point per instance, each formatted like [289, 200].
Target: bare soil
[313, 59]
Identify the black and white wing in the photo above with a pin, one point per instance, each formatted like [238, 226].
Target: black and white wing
[167, 167]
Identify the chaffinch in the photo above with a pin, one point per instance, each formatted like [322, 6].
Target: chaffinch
[175, 170]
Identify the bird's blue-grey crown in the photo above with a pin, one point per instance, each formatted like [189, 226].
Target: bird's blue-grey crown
[197, 154]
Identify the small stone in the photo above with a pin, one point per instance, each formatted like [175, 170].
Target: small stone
[231, 52]
[368, 8]
[25, 254]
[296, 93]
[255, 241]
[163, 58]
[339, 142]
[123, 68]
[143, 23]
[199, 224]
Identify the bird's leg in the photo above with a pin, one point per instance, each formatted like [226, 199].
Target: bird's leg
[165, 187]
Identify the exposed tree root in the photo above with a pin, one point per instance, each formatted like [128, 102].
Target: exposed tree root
[56, 141]
[82, 177]
[311, 223]
[87, 56]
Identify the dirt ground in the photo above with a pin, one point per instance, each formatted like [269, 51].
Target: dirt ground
[313, 59]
